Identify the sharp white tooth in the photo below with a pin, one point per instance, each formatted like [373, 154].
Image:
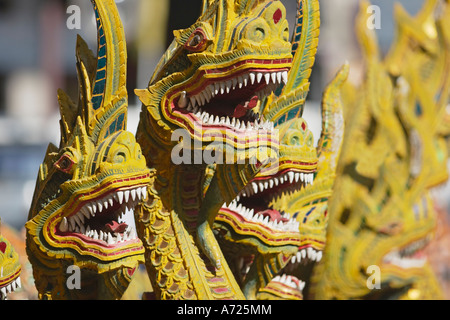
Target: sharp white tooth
[8, 288]
[255, 187]
[271, 183]
[279, 76]
[246, 78]
[210, 90]
[274, 77]
[267, 78]
[261, 187]
[299, 256]
[133, 194]
[110, 239]
[144, 193]
[297, 177]
[303, 253]
[120, 196]
[183, 102]
[251, 213]
[281, 180]
[79, 219]
[86, 213]
[91, 210]
[319, 256]
[216, 88]
[291, 176]
[88, 230]
[127, 195]
[252, 78]
[283, 278]
[276, 181]
[118, 238]
[72, 224]
[293, 259]
[111, 201]
[259, 77]
[313, 255]
[139, 193]
[302, 285]
[19, 282]
[266, 220]
[95, 237]
[229, 85]
[202, 98]
[309, 252]
[284, 76]
[240, 82]
[105, 204]
[125, 237]
[3, 291]
[235, 82]
[99, 206]
[192, 101]
[222, 87]
[64, 226]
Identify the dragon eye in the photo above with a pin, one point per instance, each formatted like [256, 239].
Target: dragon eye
[197, 42]
[65, 164]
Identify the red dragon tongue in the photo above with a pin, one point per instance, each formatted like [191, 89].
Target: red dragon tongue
[116, 227]
[242, 109]
[274, 215]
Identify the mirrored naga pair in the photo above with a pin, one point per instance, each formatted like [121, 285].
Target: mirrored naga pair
[277, 216]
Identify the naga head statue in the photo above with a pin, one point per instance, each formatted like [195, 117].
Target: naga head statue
[214, 77]
[82, 210]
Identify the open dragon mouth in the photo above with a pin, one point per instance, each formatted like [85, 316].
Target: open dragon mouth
[251, 208]
[107, 221]
[231, 101]
[290, 282]
[410, 256]
[9, 284]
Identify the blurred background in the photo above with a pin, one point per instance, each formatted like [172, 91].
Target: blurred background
[37, 57]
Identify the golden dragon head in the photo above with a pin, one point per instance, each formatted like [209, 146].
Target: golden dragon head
[212, 80]
[87, 188]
